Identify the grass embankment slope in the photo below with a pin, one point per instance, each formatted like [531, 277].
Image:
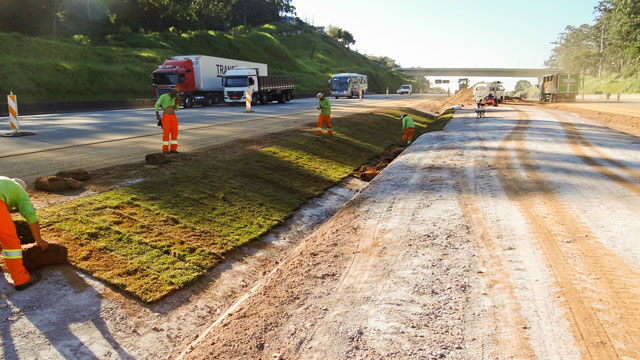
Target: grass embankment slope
[612, 85]
[154, 237]
[119, 66]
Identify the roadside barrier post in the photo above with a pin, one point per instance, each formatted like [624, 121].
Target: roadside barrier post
[387, 92]
[248, 101]
[360, 94]
[12, 101]
[14, 123]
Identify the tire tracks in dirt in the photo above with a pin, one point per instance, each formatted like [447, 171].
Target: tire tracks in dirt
[579, 145]
[357, 277]
[600, 290]
[509, 338]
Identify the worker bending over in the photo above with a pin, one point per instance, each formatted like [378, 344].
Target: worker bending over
[325, 115]
[407, 129]
[14, 197]
[170, 103]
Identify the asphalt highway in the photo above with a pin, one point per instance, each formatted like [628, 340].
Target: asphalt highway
[96, 139]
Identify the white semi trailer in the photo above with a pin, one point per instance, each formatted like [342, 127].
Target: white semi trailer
[198, 77]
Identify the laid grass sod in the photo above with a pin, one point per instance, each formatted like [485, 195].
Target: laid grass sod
[154, 237]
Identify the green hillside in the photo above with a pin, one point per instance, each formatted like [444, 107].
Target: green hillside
[612, 85]
[119, 66]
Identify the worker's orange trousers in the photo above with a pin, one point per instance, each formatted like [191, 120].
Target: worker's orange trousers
[326, 120]
[11, 248]
[170, 130]
[407, 135]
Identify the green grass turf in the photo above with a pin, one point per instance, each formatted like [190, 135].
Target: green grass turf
[156, 236]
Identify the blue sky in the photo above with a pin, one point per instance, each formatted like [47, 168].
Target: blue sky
[452, 33]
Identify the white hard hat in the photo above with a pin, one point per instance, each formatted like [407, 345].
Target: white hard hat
[20, 182]
[319, 95]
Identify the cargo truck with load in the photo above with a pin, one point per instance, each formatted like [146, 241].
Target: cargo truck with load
[560, 87]
[199, 78]
[263, 88]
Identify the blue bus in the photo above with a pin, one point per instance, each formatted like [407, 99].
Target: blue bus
[348, 85]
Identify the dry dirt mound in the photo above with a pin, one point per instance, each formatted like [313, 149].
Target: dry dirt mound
[463, 98]
[156, 159]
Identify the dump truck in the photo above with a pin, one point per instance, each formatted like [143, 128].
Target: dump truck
[198, 77]
[263, 88]
[559, 87]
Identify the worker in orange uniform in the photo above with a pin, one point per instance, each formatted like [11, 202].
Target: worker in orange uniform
[14, 197]
[325, 115]
[169, 102]
[407, 129]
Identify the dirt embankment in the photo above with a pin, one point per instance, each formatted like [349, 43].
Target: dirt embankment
[463, 98]
[618, 117]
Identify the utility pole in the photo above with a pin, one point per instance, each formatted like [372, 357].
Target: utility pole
[601, 53]
[55, 11]
[89, 11]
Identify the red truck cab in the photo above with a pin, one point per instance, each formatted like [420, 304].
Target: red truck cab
[174, 74]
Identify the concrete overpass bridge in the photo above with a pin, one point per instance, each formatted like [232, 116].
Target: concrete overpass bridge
[492, 72]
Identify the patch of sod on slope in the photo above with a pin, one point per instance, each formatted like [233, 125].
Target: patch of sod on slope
[154, 237]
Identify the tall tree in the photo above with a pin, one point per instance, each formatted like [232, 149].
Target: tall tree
[31, 17]
[343, 36]
[576, 49]
[384, 61]
[611, 45]
[619, 21]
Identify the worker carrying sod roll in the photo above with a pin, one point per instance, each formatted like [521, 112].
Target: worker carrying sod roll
[13, 196]
[170, 103]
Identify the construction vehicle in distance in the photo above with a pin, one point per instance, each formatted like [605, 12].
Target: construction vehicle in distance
[463, 84]
[263, 88]
[560, 87]
[495, 88]
[198, 77]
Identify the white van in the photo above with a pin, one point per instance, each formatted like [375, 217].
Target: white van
[483, 89]
[405, 89]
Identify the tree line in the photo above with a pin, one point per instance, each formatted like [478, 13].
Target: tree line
[610, 46]
[99, 17]
[384, 61]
